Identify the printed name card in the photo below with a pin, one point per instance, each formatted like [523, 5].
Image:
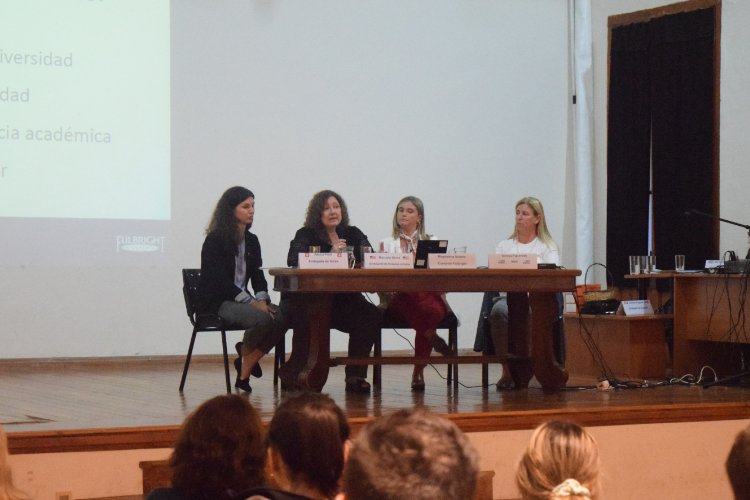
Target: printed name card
[451, 261]
[635, 308]
[512, 261]
[713, 264]
[323, 261]
[388, 260]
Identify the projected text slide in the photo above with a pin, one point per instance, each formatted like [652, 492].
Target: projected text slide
[84, 109]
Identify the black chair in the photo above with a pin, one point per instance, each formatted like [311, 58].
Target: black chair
[214, 323]
[450, 323]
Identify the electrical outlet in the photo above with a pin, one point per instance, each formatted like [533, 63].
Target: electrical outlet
[64, 495]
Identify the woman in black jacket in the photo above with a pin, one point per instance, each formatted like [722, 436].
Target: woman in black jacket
[229, 259]
[327, 226]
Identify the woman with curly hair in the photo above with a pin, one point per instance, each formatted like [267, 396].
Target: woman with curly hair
[327, 226]
[219, 451]
[560, 463]
[7, 490]
[231, 258]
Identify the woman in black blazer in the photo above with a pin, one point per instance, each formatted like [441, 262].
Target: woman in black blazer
[229, 259]
[327, 226]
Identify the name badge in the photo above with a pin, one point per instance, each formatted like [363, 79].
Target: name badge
[713, 264]
[323, 261]
[451, 261]
[512, 261]
[388, 260]
[635, 308]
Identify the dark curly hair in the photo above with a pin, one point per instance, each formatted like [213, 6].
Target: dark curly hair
[223, 221]
[308, 432]
[315, 212]
[220, 448]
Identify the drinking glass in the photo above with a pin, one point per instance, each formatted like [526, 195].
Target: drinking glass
[679, 262]
[458, 250]
[364, 251]
[650, 263]
[642, 262]
[499, 250]
[350, 255]
[635, 264]
[315, 249]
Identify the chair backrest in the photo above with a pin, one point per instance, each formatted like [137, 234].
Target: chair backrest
[191, 278]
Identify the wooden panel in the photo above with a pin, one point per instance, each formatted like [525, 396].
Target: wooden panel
[643, 16]
[156, 474]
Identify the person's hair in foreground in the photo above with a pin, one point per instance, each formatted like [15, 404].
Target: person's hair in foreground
[220, 448]
[7, 490]
[411, 454]
[307, 434]
[738, 466]
[561, 462]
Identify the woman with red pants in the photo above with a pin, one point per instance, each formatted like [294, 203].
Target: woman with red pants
[422, 311]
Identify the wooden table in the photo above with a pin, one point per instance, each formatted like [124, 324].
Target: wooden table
[320, 286]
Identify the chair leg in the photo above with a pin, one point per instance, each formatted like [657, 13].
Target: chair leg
[378, 352]
[187, 360]
[453, 336]
[449, 378]
[278, 360]
[226, 360]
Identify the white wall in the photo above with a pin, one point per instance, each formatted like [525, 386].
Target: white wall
[734, 112]
[464, 104]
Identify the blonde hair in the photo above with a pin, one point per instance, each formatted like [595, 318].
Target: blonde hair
[7, 490]
[558, 451]
[420, 224]
[541, 228]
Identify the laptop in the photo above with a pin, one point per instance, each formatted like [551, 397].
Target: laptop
[426, 247]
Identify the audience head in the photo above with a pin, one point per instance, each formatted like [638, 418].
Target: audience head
[411, 454]
[541, 228]
[306, 442]
[410, 202]
[738, 466]
[224, 222]
[561, 462]
[220, 448]
[317, 207]
[7, 490]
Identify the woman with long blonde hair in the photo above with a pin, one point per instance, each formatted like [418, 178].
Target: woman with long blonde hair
[7, 490]
[561, 462]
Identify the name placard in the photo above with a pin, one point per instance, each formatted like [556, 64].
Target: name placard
[323, 261]
[512, 261]
[451, 261]
[388, 260]
[635, 308]
[713, 264]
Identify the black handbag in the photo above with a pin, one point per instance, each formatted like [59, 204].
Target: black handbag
[599, 302]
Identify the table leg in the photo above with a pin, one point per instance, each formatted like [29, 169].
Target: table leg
[548, 372]
[519, 361]
[318, 313]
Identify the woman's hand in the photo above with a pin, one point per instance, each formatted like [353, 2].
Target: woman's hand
[261, 305]
[340, 245]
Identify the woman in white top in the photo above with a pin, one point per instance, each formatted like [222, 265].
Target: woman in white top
[422, 311]
[530, 235]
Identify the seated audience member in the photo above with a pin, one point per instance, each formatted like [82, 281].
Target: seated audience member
[229, 259]
[327, 226]
[219, 451]
[560, 463]
[738, 466]
[7, 490]
[410, 454]
[422, 311]
[306, 442]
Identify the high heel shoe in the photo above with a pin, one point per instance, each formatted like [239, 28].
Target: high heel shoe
[417, 382]
[257, 370]
[441, 346]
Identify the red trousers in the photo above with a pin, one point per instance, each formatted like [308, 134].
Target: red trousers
[422, 311]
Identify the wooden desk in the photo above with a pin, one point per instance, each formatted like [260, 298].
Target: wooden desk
[321, 285]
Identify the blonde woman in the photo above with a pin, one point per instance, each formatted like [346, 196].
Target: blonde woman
[530, 236]
[560, 463]
[7, 490]
[422, 311]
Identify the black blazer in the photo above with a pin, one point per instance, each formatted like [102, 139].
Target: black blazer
[307, 237]
[217, 272]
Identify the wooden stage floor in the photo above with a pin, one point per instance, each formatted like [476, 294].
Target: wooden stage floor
[136, 404]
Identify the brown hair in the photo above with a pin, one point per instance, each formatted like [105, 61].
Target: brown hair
[315, 212]
[558, 451]
[411, 454]
[7, 490]
[308, 431]
[738, 466]
[220, 448]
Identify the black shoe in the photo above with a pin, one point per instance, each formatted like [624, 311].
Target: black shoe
[441, 346]
[243, 384]
[357, 384]
[257, 370]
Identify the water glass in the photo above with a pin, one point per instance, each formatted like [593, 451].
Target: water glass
[364, 251]
[650, 263]
[315, 249]
[679, 262]
[635, 264]
[499, 250]
[643, 263]
[458, 250]
[350, 256]
[404, 248]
